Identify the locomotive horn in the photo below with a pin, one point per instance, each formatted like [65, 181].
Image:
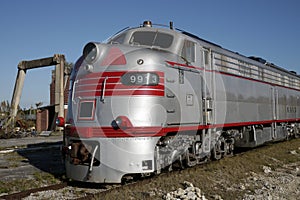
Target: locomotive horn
[171, 25]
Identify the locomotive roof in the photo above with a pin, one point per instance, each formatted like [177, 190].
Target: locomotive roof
[178, 33]
[251, 59]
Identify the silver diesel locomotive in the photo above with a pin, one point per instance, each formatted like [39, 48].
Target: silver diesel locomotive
[152, 97]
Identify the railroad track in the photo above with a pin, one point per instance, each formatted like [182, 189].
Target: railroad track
[83, 194]
[64, 190]
[26, 193]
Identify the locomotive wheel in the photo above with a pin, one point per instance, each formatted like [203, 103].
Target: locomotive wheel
[229, 148]
[216, 153]
[191, 159]
[218, 150]
[297, 133]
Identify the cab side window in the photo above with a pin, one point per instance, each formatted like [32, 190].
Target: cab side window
[188, 51]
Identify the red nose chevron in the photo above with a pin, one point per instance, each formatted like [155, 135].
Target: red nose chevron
[114, 57]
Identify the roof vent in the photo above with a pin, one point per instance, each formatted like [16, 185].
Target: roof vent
[261, 60]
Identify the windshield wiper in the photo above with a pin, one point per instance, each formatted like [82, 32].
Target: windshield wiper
[153, 42]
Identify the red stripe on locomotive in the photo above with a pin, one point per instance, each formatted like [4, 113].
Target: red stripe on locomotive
[91, 85]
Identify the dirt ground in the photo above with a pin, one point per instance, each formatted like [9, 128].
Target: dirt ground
[31, 162]
[17, 143]
[268, 172]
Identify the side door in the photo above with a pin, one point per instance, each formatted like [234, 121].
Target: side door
[190, 84]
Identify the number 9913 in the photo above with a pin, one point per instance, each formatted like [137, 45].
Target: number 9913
[140, 78]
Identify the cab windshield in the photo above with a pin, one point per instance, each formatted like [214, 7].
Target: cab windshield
[144, 38]
[150, 38]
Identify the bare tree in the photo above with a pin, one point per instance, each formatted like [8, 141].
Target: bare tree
[4, 109]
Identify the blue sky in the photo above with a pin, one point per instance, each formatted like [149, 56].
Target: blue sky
[35, 29]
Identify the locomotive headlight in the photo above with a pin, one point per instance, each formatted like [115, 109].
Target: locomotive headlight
[90, 52]
[140, 78]
[121, 122]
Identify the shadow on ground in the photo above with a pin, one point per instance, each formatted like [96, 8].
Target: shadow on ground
[45, 156]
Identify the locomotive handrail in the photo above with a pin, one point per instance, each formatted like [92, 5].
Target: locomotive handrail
[103, 90]
[74, 84]
[92, 159]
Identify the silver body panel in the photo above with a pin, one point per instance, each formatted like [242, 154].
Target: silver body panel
[245, 101]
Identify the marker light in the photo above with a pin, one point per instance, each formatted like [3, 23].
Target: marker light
[60, 122]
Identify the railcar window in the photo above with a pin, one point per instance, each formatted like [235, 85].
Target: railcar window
[188, 51]
[149, 38]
